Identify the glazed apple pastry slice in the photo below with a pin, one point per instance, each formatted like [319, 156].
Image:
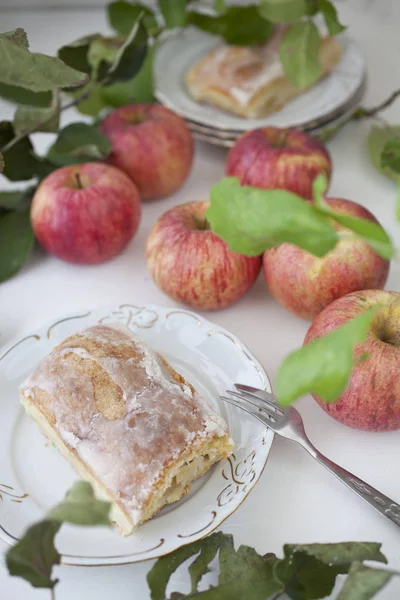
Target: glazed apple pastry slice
[125, 420]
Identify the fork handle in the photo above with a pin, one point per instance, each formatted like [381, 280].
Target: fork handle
[384, 505]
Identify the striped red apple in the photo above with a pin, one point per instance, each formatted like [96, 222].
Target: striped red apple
[85, 213]
[192, 265]
[271, 157]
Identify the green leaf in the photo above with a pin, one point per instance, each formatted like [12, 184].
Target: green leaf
[139, 89]
[1, 163]
[390, 157]
[299, 54]
[322, 367]
[129, 58]
[34, 71]
[16, 242]
[34, 556]
[362, 583]
[303, 577]
[41, 119]
[122, 15]
[309, 571]
[16, 200]
[77, 143]
[339, 554]
[81, 507]
[371, 232]
[103, 49]
[251, 220]
[250, 577]
[283, 11]
[378, 136]
[174, 13]
[208, 551]
[20, 160]
[160, 573]
[332, 22]
[17, 36]
[75, 54]
[19, 95]
[239, 25]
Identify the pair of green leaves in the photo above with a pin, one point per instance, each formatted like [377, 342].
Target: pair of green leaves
[250, 221]
[32, 80]
[239, 25]
[300, 47]
[31, 71]
[34, 556]
[306, 572]
[76, 143]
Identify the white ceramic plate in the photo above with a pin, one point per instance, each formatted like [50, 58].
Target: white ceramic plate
[34, 476]
[178, 52]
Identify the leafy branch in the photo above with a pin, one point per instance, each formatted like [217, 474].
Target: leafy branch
[122, 66]
[305, 572]
[371, 112]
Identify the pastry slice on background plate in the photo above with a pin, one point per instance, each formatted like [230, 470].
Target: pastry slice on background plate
[249, 81]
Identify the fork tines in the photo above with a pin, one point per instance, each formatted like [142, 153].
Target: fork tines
[251, 401]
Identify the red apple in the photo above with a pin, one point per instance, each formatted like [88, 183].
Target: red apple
[372, 399]
[152, 145]
[194, 266]
[271, 157]
[305, 284]
[85, 213]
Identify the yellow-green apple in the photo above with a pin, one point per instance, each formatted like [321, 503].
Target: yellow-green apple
[152, 145]
[372, 398]
[85, 213]
[271, 157]
[305, 284]
[194, 266]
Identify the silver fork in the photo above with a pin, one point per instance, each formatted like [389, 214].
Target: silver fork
[288, 423]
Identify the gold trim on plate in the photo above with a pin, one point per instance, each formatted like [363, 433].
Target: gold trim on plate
[64, 320]
[185, 313]
[28, 337]
[245, 352]
[214, 516]
[9, 492]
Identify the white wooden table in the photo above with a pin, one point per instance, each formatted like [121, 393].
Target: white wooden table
[295, 500]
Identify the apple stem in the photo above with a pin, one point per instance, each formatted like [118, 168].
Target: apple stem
[78, 181]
